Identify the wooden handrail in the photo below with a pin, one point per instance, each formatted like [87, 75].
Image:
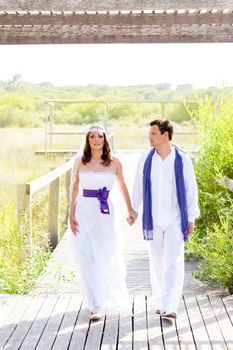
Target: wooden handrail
[25, 193]
[46, 179]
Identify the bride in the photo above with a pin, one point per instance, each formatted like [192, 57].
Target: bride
[95, 241]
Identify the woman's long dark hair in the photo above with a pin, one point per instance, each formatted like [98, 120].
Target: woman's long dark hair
[106, 155]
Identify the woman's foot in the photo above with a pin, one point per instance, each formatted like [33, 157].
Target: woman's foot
[169, 315]
[95, 316]
[157, 312]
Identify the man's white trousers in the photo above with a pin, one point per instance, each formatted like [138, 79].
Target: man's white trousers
[166, 252]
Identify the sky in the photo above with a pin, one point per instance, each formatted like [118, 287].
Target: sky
[201, 65]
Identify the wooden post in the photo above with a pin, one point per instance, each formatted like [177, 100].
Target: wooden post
[163, 110]
[24, 210]
[46, 129]
[110, 137]
[51, 126]
[54, 212]
[106, 117]
[68, 178]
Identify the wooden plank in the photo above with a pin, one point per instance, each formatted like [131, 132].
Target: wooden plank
[197, 325]
[119, 19]
[95, 334]
[110, 336]
[7, 304]
[50, 332]
[184, 331]
[25, 324]
[211, 323]
[170, 334]
[224, 322]
[39, 324]
[13, 319]
[81, 330]
[140, 337]
[125, 336]
[155, 335]
[114, 5]
[109, 34]
[66, 329]
[228, 304]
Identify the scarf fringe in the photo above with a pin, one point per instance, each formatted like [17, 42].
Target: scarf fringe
[148, 235]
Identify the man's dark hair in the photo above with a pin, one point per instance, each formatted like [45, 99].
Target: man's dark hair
[163, 125]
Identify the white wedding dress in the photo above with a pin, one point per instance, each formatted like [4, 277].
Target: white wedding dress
[97, 249]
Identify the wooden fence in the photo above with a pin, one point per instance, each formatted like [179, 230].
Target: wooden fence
[26, 192]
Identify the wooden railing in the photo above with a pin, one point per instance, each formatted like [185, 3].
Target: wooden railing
[26, 192]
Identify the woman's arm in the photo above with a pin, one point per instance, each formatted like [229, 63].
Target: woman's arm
[132, 215]
[74, 186]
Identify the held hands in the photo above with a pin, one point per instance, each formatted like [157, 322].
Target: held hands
[132, 217]
[73, 224]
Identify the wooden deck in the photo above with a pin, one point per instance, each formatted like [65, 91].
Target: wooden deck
[62, 322]
[54, 317]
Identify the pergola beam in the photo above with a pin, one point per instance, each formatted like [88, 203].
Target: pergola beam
[131, 34]
[43, 22]
[127, 19]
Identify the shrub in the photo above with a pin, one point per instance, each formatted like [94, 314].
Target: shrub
[216, 252]
[212, 240]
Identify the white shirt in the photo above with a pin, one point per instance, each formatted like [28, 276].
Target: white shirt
[165, 208]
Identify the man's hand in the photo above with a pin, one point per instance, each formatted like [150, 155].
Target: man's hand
[132, 217]
[191, 228]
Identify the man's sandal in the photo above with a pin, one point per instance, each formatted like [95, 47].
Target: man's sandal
[170, 315]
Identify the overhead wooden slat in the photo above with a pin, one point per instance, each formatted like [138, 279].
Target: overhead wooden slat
[110, 19]
[113, 4]
[46, 34]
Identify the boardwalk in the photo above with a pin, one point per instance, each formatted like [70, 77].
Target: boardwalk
[53, 316]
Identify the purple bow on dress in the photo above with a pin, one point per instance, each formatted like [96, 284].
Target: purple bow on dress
[102, 195]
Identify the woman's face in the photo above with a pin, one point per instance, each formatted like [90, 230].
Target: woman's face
[96, 140]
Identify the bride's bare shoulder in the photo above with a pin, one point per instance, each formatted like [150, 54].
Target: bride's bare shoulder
[116, 164]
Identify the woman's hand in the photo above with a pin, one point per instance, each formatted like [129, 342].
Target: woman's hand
[132, 217]
[73, 224]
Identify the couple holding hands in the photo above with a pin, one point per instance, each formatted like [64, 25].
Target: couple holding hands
[165, 186]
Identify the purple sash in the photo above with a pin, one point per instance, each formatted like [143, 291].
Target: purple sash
[102, 195]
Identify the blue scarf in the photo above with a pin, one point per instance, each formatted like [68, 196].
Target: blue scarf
[147, 218]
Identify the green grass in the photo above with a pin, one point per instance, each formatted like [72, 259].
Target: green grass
[19, 165]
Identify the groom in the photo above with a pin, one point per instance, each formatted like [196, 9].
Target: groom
[166, 185]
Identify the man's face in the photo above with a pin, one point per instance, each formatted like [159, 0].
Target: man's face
[155, 137]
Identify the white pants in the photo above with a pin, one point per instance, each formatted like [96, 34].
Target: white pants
[166, 253]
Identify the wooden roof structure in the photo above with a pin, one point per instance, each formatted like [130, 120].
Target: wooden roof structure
[106, 21]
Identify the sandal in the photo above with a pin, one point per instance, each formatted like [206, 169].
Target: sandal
[170, 315]
[95, 316]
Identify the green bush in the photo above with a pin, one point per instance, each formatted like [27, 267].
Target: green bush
[216, 252]
[214, 160]
[20, 109]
